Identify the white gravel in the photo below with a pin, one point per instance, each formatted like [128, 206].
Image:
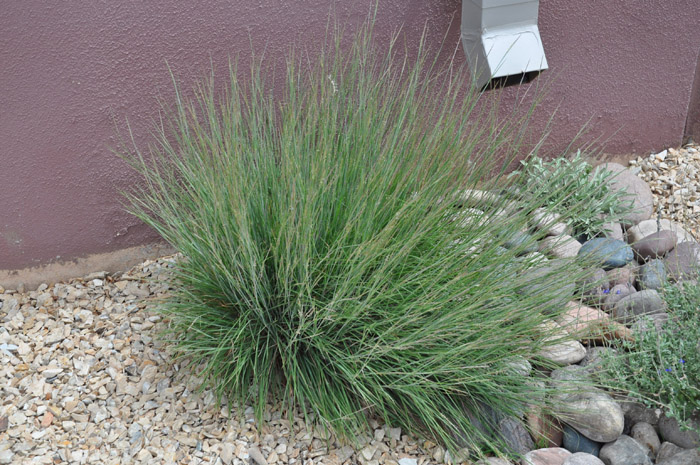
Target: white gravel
[674, 178]
[83, 379]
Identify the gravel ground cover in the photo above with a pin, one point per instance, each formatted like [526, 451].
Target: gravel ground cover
[674, 178]
[84, 379]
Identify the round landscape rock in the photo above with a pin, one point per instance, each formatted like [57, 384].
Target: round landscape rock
[581, 458]
[671, 431]
[684, 457]
[645, 434]
[594, 414]
[625, 275]
[609, 253]
[561, 246]
[639, 231]
[624, 451]
[652, 275]
[548, 456]
[576, 442]
[616, 294]
[636, 190]
[645, 302]
[683, 262]
[655, 245]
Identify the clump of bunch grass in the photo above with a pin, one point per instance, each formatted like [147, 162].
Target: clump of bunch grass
[581, 187]
[661, 366]
[326, 259]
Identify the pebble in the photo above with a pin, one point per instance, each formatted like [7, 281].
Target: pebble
[667, 450]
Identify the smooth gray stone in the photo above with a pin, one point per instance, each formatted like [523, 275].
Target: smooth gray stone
[667, 450]
[581, 458]
[636, 411]
[670, 431]
[645, 323]
[645, 434]
[594, 287]
[683, 262]
[624, 451]
[640, 303]
[594, 414]
[515, 436]
[652, 275]
[610, 253]
[684, 457]
[634, 189]
[521, 240]
[616, 294]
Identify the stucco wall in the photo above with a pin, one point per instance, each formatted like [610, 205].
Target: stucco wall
[69, 70]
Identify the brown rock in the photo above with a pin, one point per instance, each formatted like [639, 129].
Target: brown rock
[545, 429]
[591, 324]
[655, 245]
[625, 275]
[4, 423]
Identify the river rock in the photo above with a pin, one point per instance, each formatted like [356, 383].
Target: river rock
[565, 352]
[640, 303]
[616, 294]
[545, 429]
[670, 431]
[549, 222]
[667, 450]
[594, 287]
[562, 246]
[655, 245]
[645, 228]
[549, 456]
[590, 324]
[647, 322]
[636, 190]
[652, 275]
[683, 262]
[645, 434]
[594, 414]
[626, 275]
[516, 437]
[521, 241]
[577, 442]
[613, 231]
[624, 451]
[581, 458]
[684, 457]
[636, 412]
[610, 253]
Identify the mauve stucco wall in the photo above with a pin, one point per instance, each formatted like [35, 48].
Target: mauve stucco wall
[68, 68]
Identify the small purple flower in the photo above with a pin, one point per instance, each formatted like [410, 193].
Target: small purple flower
[617, 291]
[669, 369]
[605, 291]
[682, 361]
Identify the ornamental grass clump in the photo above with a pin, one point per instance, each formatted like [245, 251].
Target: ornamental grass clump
[339, 250]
